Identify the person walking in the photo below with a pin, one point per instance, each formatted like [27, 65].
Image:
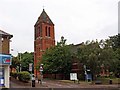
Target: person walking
[39, 78]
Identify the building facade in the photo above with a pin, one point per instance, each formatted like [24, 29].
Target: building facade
[5, 58]
[44, 38]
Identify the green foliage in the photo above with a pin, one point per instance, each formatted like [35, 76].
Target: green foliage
[94, 54]
[24, 76]
[115, 41]
[57, 59]
[81, 76]
[115, 64]
[14, 74]
[88, 54]
[15, 62]
[26, 58]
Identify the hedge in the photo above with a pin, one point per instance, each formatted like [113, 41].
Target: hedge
[24, 76]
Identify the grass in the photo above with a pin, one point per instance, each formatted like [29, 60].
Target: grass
[76, 82]
[105, 81]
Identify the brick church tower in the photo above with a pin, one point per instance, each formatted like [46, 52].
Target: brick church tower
[44, 37]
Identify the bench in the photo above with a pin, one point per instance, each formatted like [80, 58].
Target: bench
[98, 82]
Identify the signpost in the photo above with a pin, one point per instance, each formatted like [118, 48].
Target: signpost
[32, 76]
[41, 74]
[30, 67]
[73, 76]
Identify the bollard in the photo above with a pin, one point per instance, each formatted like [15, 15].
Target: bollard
[33, 83]
[110, 81]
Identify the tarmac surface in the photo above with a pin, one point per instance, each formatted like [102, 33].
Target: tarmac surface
[61, 84]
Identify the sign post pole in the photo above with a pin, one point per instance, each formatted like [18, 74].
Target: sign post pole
[32, 76]
[41, 74]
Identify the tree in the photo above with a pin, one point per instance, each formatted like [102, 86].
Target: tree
[15, 63]
[88, 54]
[106, 52]
[116, 47]
[115, 41]
[26, 58]
[58, 59]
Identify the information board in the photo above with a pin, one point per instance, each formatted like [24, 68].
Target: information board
[73, 76]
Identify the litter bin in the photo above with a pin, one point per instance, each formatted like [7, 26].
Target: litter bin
[110, 81]
[33, 81]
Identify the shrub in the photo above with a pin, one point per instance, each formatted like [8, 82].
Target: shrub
[24, 76]
[81, 77]
[14, 74]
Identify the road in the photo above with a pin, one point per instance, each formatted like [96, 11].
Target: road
[59, 84]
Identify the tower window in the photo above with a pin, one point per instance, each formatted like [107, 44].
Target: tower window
[49, 32]
[46, 30]
[40, 32]
[35, 33]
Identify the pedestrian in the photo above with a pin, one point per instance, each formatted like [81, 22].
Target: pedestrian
[39, 78]
[33, 77]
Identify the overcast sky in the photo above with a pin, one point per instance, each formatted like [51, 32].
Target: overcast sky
[76, 20]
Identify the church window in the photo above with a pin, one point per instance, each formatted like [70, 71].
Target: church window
[49, 32]
[35, 34]
[46, 30]
[40, 32]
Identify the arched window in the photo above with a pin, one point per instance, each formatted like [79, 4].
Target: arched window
[49, 32]
[40, 32]
[46, 30]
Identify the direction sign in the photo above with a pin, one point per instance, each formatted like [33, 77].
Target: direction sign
[30, 66]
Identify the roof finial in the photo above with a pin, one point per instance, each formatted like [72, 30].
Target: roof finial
[43, 7]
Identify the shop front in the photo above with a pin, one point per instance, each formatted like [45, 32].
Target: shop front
[5, 62]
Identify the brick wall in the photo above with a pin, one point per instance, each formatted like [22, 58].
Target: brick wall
[4, 45]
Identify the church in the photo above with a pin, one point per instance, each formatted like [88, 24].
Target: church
[44, 38]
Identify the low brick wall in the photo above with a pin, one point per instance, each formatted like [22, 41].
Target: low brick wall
[53, 76]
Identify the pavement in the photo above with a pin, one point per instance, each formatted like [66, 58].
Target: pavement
[47, 83]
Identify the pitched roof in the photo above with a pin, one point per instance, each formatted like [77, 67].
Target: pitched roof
[44, 18]
[3, 34]
[74, 48]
